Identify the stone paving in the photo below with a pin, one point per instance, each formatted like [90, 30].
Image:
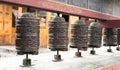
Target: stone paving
[43, 61]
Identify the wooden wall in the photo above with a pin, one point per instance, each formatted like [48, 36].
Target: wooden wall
[6, 30]
[44, 30]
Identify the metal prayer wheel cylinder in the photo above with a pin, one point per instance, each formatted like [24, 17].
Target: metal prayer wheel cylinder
[118, 39]
[118, 36]
[110, 37]
[110, 31]
[58, 34]
[110, 40]
[79, 35]
[94, 35]
[27, 34]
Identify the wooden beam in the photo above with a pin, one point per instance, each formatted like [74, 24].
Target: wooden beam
[61, 8]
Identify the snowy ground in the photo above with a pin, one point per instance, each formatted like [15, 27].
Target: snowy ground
[10, 61]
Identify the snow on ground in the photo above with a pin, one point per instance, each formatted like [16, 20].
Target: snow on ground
[43, 61]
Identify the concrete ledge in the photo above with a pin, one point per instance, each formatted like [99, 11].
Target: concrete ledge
[113, 66]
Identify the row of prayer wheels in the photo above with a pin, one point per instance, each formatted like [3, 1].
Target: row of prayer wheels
[82, 36]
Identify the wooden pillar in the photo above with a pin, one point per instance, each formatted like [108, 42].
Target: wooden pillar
[20, 9]
[48, 18]
[72, 19]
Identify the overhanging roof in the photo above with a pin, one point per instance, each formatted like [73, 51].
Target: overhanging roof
[61, 8]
